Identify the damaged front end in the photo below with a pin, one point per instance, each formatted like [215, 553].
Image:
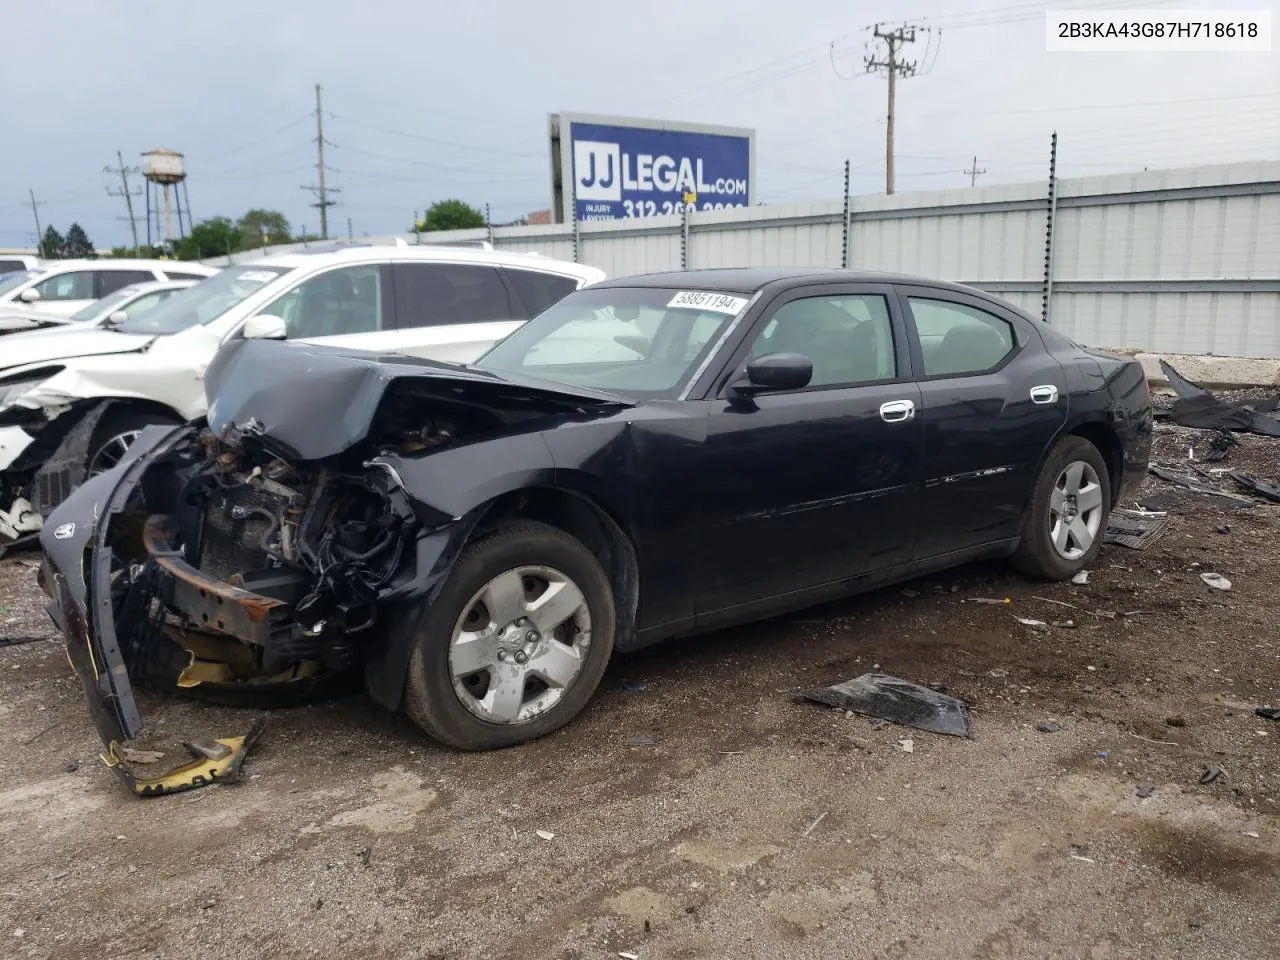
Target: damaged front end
[211, 567]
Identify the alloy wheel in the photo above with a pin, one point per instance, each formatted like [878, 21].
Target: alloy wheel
[1075, 510]
[519, 645]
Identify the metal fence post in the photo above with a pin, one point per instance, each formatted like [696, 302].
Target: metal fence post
[573, 205]
[684, 236]
[1050, 217]
[844, 243]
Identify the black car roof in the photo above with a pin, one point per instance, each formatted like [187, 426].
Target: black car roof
[750, 279]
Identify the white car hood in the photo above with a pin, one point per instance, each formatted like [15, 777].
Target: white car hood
[43, 346]
[15, 320]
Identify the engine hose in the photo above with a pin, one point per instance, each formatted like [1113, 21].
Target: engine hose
[274, 523]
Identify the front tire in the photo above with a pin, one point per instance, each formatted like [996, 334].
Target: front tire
[115, 433]
[515, 644]
[1066, 519]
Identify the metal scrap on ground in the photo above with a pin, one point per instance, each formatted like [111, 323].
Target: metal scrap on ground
[897, 701]
[1137, 530]
[1198, 408]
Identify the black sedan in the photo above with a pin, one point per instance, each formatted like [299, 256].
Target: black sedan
[652, 457]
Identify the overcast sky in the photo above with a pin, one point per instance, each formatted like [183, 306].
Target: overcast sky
[431, 99]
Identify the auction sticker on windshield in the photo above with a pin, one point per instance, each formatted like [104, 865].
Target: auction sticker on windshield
[701, 300]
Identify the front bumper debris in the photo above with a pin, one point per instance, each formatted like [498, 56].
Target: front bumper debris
[216, 761]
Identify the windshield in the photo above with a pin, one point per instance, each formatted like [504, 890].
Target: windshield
[106, 306]
[204, 302]
[11, 281]
[640, 342]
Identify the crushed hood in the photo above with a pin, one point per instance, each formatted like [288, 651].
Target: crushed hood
[263, 381]
[15, 320]
[65, 343]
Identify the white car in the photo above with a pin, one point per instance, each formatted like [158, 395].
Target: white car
[114, 308]
[66, 286]
[64, 418]
[17, 263]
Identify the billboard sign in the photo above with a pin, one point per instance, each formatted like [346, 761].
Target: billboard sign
[626, 169]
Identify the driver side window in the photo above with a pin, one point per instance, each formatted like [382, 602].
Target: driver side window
[72, 285]
[333, 304]
[849, 339]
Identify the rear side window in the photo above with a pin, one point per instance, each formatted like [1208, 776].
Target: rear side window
[11, 266]
[179, 275]
[437, 294]
[537, 291]
[957, 339]
[109, 281]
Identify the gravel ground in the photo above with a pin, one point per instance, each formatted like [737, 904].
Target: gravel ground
[753, 826]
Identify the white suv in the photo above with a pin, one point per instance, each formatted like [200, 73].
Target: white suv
[67, 286]
[435, 302]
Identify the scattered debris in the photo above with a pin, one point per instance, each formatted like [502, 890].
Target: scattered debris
[1145, 789]
[629, 956]
[999, 673]
[1006, 600]
[365, 855]
[1251, 834]
[1268, 713]
[71, 766]
[910, 593]
[1211, 773]
[813, 826]
[1201, 489]
[1222, 528]
[14, 641]
[907, 746]
[639, 740]
[1103, 754]
[633, 686]
[545, 834]
[1047, 727]
[1197, 407]
[1130, 528]
[1263, 489]
[1081, 578]
[1028, 622]
[1220, 445]
[1064, 624]
[1076, 856]
[898, 701]
[1216, 580]
[1175, 721]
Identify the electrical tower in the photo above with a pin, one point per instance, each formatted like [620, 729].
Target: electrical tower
[973, 172]
[895, 67]
[123, 172]
[323, 203]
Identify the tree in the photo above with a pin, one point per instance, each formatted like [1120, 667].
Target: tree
[52, 246]
[214, 237]
[78, 244]
[452, 215]
[257, 222]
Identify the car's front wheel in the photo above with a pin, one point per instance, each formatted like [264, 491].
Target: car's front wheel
[1066, 519]
[516, 642]
[114, 435]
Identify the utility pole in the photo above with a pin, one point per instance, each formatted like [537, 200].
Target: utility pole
[894, 67]
[974, 171]
[323, 203]
[124, 191]
[348, 228]
[35, 213]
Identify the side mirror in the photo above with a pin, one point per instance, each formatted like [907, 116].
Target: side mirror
[774, 371]
[29, 295]
[264, 327]
[117, 318]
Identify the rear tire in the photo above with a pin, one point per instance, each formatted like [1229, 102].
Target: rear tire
[1066, 519]
[115, 432]
[482, 679]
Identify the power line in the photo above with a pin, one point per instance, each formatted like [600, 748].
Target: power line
[417, 136]
[125, 192]
[973, 171]
[894, 66]
[323, 203]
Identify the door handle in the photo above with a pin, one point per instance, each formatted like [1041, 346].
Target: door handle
[1047, 393]
[897, 411]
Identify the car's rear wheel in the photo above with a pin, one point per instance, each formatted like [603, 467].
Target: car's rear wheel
[114, 435]
[515, 644]
[1066, 519]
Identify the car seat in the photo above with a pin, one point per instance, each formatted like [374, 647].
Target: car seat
[968, 348]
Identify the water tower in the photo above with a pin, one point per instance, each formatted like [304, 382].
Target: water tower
[166, 170]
